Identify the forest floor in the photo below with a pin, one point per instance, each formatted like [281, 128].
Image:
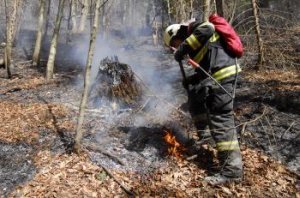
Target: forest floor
[38, 121]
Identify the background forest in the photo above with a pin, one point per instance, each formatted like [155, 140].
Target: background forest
[89, 93]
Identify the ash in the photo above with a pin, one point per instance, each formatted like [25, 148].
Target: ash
[142, 149]
[16, 166]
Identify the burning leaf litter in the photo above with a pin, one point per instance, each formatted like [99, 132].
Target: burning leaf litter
[175, 148]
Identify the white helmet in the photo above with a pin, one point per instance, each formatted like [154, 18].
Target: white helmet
[170, 32]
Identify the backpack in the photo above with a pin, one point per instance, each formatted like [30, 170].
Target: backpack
[228, 34]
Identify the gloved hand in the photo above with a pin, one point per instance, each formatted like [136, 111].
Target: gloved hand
[178, 56]
[191, 80]
[185, 83]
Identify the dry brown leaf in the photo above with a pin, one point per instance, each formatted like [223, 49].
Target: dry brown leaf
[226, 190]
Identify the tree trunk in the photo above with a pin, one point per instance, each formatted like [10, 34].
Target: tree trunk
[206, 9]
[181, 14]
[73, 15]
[191, 9]
[52, 53]
[169, 11]
[233, 11]
[48, 19]
[148, 15]
[71, 20]
[220, 7]
[11, 15]
[87, 78]
[123, 17]
[128, 16]
[84, 13]
[17, 22]
[38, 43]
[258, 35]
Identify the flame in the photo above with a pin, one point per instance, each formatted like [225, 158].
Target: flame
[175, 148]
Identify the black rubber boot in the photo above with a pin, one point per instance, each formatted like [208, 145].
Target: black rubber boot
[219, 179]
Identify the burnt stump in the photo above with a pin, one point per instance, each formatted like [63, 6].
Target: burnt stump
[115, 83]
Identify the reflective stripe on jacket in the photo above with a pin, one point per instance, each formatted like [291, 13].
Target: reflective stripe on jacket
[226, 72]
[206, 47]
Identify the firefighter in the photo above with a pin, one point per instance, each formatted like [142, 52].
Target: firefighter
[209, 104]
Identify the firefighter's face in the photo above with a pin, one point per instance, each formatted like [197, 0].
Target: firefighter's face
[176, 42]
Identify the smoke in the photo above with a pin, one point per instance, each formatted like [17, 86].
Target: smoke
[125, 31]
[154, 69]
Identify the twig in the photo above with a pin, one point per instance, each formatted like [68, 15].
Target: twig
[192, 157]
[99, 149]
[74, 107]
[272, 129]
[251, 121]
[143, 106]
[129, 192]
[270, 143]
[287, 130]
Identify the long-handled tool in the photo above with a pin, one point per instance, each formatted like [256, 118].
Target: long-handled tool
[182, 71]
[181, 67]
[196, 65]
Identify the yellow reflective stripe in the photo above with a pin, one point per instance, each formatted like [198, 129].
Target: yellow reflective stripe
[226, 72]
[214, 37]
[193, 42]
[200, 55]
[227, 146]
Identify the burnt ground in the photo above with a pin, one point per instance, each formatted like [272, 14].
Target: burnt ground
[38, 121]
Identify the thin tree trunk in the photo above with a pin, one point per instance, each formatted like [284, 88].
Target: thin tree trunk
[162, 18]
[128, 14]
[17, 22]
[181, 11]
[123, 5]
[73, 15]
[69, 23]
[38, 43]
[84, 13]
[220, 7]
[206, 9]
[191, 9]
[48, 19]
[169, 11]
[87, 78]
[11, 15]
[52, 53]
[90, 11]
[233, 11]
[148, 15]
[258, 35]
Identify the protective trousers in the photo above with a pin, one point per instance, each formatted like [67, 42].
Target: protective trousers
[209, 105]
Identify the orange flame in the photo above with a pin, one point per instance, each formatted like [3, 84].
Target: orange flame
[175, 148]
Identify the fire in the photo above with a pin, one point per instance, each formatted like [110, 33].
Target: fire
[175, 148]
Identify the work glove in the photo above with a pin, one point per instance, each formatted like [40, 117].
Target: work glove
[178, 56]
[191, 80]
[185, 83]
